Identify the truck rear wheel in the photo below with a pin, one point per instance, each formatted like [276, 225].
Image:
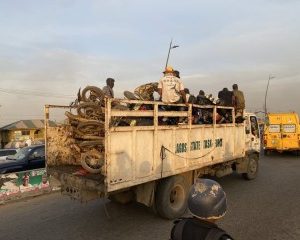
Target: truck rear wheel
[171, 197]
[252, 169]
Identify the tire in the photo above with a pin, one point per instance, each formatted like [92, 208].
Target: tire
[252, 169]
[89, 110]
[97, 92]
[296, 152]
[171, 197]
[91, 143]
[92, 161]
[73, 117]
[94, 138]
[90, 127]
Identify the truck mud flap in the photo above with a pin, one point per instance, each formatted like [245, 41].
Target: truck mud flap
[79, 187]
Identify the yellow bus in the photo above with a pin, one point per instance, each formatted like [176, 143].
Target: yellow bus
[282, 132]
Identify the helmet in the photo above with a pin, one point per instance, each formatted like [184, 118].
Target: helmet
[168, 69]
[207, 200]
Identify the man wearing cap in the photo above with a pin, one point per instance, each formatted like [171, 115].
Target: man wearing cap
[170, 87]
[108, 89]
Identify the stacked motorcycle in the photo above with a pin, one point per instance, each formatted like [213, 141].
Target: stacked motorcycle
[87, 128]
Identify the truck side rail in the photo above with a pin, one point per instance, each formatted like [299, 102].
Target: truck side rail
[156, 111]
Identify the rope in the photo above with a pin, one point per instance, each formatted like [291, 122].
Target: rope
[163, 156]
[194, 158]
[163, 148]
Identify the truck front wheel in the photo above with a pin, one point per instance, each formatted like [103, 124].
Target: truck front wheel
[252, 169]
[171, 197]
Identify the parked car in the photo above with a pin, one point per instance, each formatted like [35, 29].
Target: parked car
[26, 158]
[6, 152]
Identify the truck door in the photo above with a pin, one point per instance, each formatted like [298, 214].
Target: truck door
[289, 136]
[254, 133]
[273, 136]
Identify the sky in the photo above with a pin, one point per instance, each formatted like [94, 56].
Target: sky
[49, 49]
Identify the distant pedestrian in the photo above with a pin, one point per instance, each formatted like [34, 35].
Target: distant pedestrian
[108, 89]
[207, 203]
[28, 142]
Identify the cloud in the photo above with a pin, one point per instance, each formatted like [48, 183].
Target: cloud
[59, 46]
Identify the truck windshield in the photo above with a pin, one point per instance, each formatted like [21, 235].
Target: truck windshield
[20, 154]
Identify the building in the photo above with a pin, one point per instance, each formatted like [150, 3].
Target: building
[20, 131]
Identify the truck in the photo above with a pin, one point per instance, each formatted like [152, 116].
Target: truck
[155, 164]
[282, 132]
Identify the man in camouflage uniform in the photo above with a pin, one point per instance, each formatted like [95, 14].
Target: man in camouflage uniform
[238, 102]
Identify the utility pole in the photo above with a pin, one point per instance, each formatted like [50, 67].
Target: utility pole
[170, 47]
[266, 94]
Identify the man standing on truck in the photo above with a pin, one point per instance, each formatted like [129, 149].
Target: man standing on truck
[226, 97]
[171, 88]
[108, 89]
[207, 203]
[202, 99]
[238, 102]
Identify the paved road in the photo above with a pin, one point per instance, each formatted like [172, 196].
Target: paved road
[262, 209]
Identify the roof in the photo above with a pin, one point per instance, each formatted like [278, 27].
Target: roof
[28, 124]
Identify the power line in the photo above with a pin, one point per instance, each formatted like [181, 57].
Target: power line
[35, 93]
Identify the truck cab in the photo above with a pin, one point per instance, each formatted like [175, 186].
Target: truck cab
[154, 164]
